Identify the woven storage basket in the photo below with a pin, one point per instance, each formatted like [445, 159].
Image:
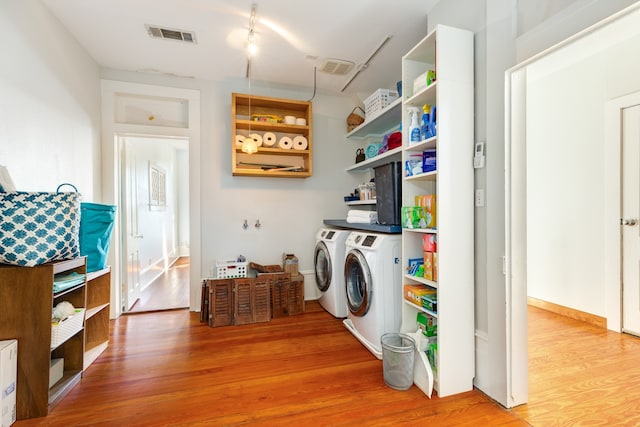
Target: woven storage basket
[66, 328]
[354, 120]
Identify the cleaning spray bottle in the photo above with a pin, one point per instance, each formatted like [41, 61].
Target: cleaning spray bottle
[424, 130]
[414, 128]
[433, 123]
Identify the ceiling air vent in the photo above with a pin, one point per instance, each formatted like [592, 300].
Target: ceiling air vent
[170, 34]
[336, 66]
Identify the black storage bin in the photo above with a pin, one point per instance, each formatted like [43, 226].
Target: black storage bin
[388, 179]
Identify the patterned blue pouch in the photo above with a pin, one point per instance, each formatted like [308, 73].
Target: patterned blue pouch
[36, 228]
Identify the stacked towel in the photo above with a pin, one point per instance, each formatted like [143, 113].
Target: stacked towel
[356, 216]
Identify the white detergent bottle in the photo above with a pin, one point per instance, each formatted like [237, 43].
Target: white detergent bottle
[414, 127]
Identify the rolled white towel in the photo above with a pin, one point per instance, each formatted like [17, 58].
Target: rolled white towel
[356, 220]
[357, 213]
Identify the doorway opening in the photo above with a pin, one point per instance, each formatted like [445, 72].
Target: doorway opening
[154, 195]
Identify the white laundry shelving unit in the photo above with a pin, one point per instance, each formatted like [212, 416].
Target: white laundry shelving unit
[448, 51]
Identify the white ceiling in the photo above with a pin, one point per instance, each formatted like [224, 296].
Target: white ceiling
[290, 34]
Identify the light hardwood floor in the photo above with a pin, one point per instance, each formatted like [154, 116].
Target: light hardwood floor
[167, 292]
[168, 369]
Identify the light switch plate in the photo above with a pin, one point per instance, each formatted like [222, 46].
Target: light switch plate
[478, 157]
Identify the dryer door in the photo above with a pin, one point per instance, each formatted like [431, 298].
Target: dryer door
[322, 262]
[357, 277]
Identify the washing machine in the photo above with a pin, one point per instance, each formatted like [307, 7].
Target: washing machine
[372, 274]
[328, 260]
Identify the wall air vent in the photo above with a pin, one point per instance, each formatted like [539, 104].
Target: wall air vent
[336, 66]
[170, 34]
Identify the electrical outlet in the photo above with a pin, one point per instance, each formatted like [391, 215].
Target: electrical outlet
[479, 198]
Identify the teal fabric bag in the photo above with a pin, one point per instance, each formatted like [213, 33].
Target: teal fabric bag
[36, 228]
[96, 225]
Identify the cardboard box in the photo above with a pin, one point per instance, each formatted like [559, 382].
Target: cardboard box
[428, 202]
[414, 217]
[413, 266]
[423, 80]
[430, 302]
[435, 266]
[429, 243]
[427, 324]
[8, 381]
[415, 293]
[428, 265]
[56, 371]
[290, 263]
[422, 215]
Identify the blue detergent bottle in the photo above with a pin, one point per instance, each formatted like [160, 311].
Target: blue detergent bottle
[424, 130]
[432, 122]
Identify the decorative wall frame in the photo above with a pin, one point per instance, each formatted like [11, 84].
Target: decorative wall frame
[157, 187]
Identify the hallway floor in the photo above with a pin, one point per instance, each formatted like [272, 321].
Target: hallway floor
[168, 292]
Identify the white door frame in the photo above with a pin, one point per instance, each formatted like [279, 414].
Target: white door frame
[111, 128]
[515, 264]
[612, 206]
[515, 261]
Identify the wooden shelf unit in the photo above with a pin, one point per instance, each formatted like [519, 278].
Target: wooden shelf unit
[242, 108]
[27, 318]
[96, 328]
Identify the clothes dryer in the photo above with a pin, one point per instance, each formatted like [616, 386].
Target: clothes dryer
[372, 274]
[329, 262]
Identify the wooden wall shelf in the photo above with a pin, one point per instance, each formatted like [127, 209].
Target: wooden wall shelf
[270, 161]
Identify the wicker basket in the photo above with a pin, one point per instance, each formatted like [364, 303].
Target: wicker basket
[66, 328]
[354, 120]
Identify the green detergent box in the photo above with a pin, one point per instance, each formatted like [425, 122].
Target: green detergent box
[430, 302]
[427, 324]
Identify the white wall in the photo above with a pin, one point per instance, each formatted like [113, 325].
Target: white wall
[505, 31]
[290, 210]
[493, 26]
[566, 96]
[50, 103]
[544, 23]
